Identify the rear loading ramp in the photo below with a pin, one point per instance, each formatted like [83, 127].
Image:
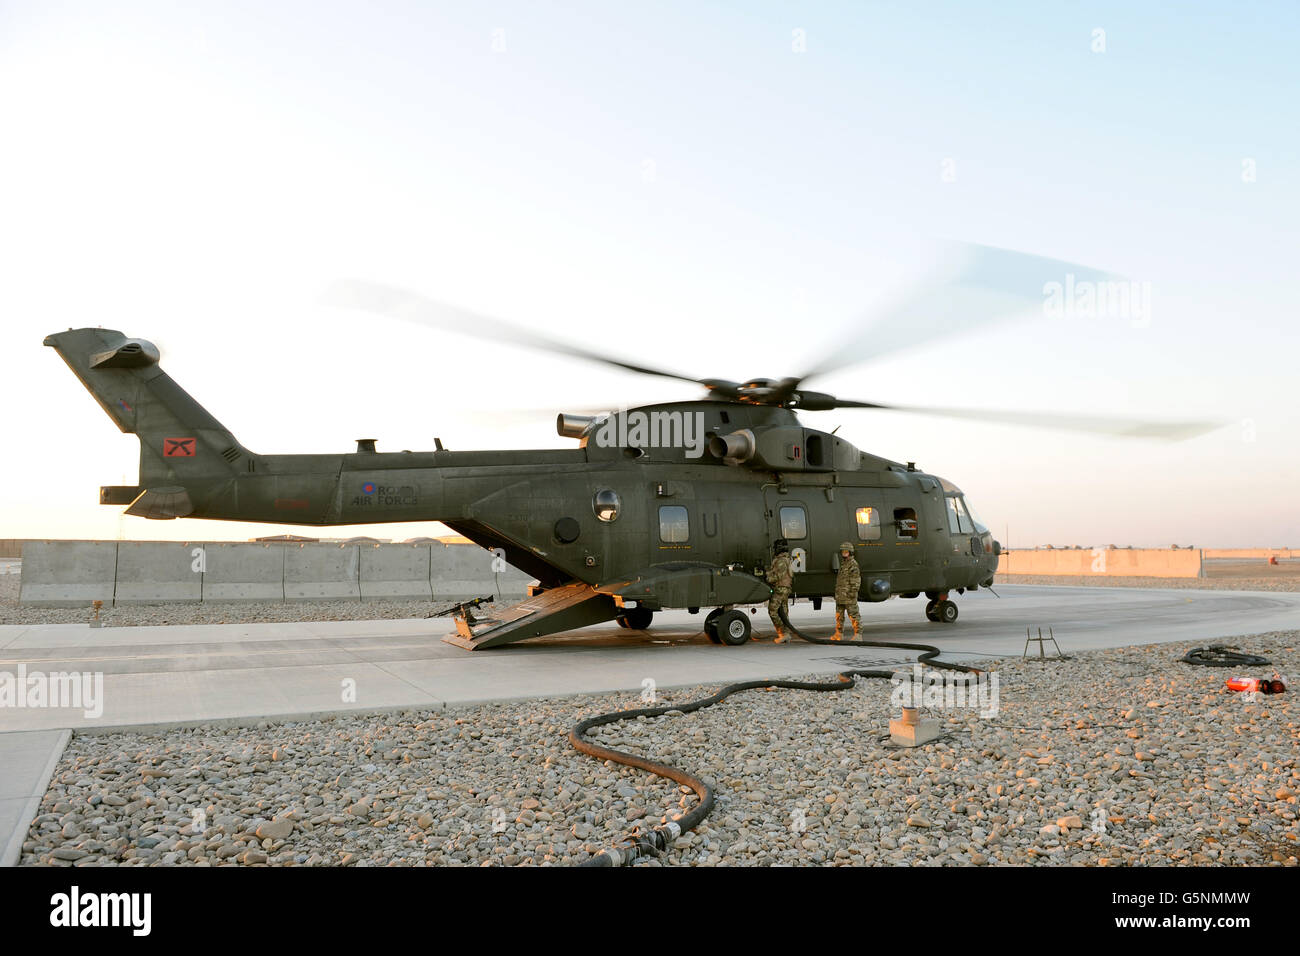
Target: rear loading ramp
[564, 608]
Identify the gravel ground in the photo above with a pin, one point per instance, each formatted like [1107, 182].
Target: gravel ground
[1102, 581]
[1116, 757]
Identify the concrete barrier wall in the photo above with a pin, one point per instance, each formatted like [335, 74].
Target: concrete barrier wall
[68, 573]
[1104, 562]
[243, 572]
[322, 572]
[395, 572]
[459, 572]
[158, 573]
[75, 573]
[1247, 553]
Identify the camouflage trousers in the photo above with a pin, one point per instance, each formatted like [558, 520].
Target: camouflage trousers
[775, 604]
[852, 610]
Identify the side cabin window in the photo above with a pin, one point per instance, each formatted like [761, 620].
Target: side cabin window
[958, 517]
[905, 522]
[868, 521]
[794, 523]
[674, 524]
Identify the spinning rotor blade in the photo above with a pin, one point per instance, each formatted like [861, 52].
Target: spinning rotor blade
[412, 307]
[974, 287]
[1116, 427]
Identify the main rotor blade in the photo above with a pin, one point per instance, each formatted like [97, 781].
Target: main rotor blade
[1117, 427]
[412, 307]
[974, 287]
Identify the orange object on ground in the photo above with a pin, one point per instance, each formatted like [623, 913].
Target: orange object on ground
[1255, 684]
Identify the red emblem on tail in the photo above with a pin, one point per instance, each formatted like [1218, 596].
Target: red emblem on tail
[178, 447]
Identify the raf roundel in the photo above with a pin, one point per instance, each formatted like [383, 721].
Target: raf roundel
[368, 488]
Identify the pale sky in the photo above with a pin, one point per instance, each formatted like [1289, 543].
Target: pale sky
[673, 183]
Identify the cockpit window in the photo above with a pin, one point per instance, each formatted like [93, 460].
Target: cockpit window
[959, 521]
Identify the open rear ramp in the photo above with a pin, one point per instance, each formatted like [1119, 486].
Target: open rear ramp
[559, 609]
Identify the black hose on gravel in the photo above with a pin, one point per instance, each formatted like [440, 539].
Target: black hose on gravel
[1222, 655]
[658, 839]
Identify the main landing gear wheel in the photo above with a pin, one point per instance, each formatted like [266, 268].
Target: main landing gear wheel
[733, 628]
[636, 618]
[945, 612]
[711, 625]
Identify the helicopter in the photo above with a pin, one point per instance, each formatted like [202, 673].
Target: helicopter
[661, 506]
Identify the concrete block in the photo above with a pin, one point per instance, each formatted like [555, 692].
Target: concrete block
[398, 572]
[243, 572]
[158, 572]
[68, 573]
[322, 572]
[913, 730]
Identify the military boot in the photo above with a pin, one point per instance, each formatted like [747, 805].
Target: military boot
[839, 628]
[857, 629]
[780, 637]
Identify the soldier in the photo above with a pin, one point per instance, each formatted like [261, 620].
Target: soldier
[781, 578]
[846, 592]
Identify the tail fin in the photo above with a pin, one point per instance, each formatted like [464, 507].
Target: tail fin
[180, 441]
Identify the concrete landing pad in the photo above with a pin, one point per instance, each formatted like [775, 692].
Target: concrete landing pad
[28, 759]
[237, 672]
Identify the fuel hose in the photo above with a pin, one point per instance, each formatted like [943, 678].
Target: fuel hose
[1222, 655]
[658, 839]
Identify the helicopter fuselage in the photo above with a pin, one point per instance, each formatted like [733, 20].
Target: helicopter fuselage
[676, 505]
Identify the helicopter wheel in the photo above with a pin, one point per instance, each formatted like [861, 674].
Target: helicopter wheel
[732, 628]
[945, 612]
[711, 625]
[636, 619]
[930, 614]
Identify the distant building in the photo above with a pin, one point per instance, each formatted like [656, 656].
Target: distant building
[285, 539]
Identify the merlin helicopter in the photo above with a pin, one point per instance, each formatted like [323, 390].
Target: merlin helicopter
[661, 506]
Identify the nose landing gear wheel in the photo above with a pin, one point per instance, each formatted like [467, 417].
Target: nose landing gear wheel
[930, 614]
[945, 612]
[733, 628]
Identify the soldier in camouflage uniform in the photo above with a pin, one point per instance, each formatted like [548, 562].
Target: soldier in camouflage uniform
[781, 578]
[846, 591]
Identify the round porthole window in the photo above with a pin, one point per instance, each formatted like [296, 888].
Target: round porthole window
[605, 504]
